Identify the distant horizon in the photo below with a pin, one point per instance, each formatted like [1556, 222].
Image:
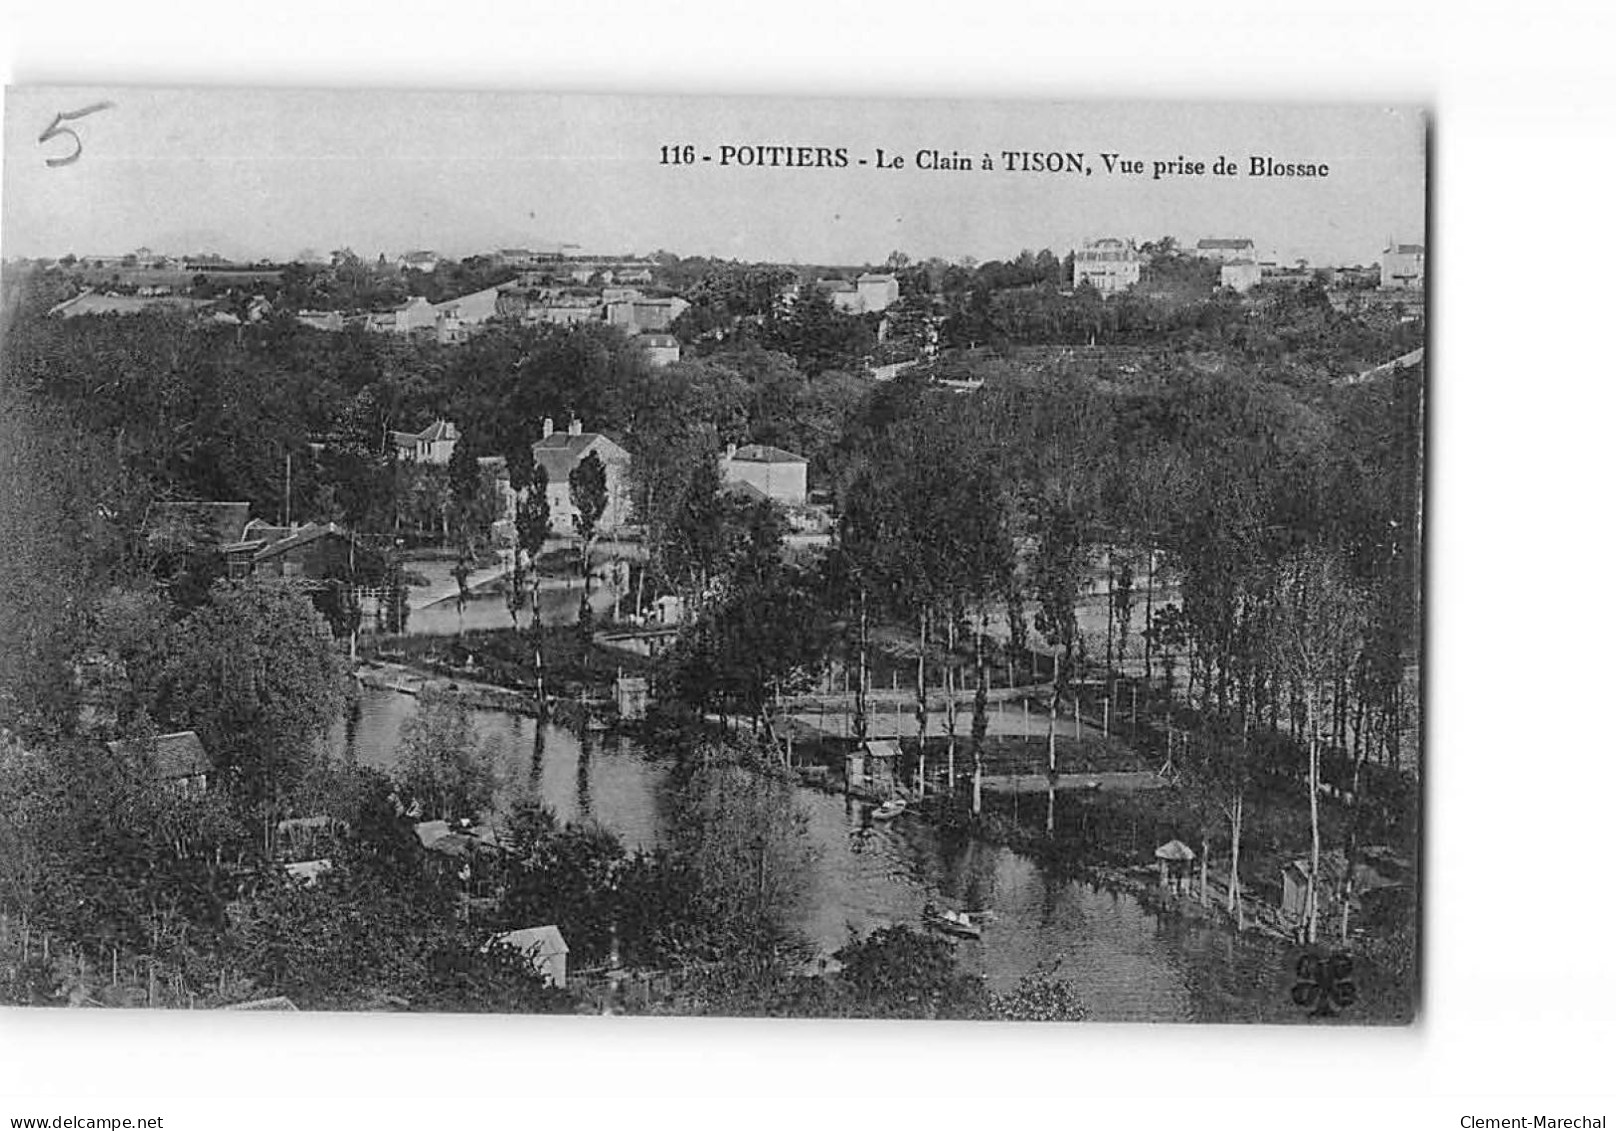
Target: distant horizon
[393, 257]
[268, 174]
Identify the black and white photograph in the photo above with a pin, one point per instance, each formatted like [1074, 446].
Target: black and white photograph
[713, 557]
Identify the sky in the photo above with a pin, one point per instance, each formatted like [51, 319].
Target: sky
[273, 172]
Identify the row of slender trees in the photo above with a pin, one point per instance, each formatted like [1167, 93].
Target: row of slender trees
[1294, 542]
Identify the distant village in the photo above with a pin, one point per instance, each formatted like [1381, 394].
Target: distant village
[561, 287]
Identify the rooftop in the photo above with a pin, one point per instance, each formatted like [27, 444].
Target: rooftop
[763, 453]
[534, 941]
[177, 755]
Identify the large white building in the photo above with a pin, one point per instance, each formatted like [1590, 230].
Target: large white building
[1108, 265]
[1226, 250]
[1402, 266]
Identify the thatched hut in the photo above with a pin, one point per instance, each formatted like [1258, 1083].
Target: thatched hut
[1174, 859]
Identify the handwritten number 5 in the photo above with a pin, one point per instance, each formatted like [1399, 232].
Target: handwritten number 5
[56, 129]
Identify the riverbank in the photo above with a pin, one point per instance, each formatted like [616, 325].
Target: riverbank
[1099, 853]
[1103, 838]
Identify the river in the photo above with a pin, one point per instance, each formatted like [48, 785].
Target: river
[1127, 962]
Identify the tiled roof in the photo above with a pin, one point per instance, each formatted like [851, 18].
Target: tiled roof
[560, 452]
[762, 453]
[537, 942]
[178, 755]
[302, 535]
[746, 490]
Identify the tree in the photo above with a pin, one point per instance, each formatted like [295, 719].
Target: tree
[1317, 619]
[470, 509]
[1038, 997]
[900, 972]
[743, 834]
[443, 768]
[587, 484]
[533, 516]
[532, 530]
[257, 675]
[1060, 579]
[566, 876]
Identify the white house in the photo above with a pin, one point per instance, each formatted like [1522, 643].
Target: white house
[779, 474]
[419, 261]
[434, 445]
[645, 315]
[1240, 274]
[1226, 250]
[876, 292]
[456, 317]
[1108, 265]
[1402, 266]
[560, 453]
[663, 349]
[844, 296]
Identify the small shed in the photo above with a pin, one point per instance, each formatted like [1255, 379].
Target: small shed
[632, 692]
[1174, 859]
[543, 948]
[307, 871]
[873, 766]
[1372, 877]
[177, 758]
[668, 610]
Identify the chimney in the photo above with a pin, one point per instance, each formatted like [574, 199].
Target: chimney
[729, 452]
[576, 428]
[549, 427]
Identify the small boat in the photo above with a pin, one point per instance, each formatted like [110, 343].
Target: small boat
[888, 809]
[951, 922]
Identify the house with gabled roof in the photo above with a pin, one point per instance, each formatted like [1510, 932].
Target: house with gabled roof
[434, 444]
[1226, 250]
[457, 317]
[1402, 266]
[315, 551]
[773, 472]
[560, 453]
[1109, 265]
[1240, 275]
[876, 292]
[178, 759]
[544, 949]
[419, 261]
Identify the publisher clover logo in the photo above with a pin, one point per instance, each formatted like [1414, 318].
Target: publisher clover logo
[1324, 984]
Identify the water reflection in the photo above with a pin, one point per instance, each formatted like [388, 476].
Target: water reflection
[1127, 962]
